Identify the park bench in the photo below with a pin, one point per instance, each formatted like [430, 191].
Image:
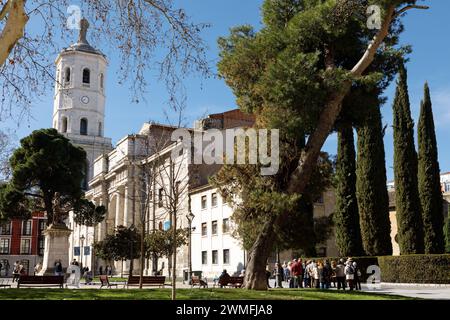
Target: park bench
[147, 281]
[105, 282]
[4, 284]
[196, 281]
[235, 282]
[41, 281]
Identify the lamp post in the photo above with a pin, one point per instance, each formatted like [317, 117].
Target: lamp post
[82, 238]
[190, 216]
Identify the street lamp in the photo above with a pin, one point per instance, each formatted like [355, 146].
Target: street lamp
[82, 238]
[190, 216]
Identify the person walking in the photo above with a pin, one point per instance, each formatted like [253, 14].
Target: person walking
[321, 275]
[279, 275]
[297, 273]
[350, 274]
[340, 275]
[315, 274]
[357, 273]
[268, 274]
[307, 275]
[289, 275]
[58, 268]
[16, 271]
[333, 273]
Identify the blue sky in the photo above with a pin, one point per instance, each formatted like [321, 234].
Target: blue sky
[427, 31]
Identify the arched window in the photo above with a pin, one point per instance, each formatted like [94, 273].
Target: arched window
[101, 80]
[83, 127]
[64, 125]
[86, 76]
[67, 76]
[99, 129]
[160, 226]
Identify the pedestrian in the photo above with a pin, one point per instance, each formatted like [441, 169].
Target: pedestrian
[357, 273]
[268, 274]
[58, 268]
[100, 270]
[16, 271]
[340, 275]
[289, 275]
[321, 275]
[315, 274]
[327, 274]
[279, 275]
[350, 273]
[306, 274]
[333, 273]
[37, 268]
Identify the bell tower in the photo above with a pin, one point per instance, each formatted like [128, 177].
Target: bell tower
[79, 101]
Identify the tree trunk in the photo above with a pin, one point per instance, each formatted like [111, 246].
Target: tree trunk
[141, 273]
[174, 253]
[255, 274]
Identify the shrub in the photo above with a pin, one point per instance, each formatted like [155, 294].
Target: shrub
[433, 269]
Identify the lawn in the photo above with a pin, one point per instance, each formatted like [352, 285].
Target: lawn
[186, 294]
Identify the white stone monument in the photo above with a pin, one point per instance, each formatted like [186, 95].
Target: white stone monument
[56, 248]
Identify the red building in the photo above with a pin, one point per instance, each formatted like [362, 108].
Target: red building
[22, 240]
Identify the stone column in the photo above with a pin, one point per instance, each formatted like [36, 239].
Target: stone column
[126, 207]
[56, 248]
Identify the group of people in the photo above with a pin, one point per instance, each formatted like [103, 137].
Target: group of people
[317, 274]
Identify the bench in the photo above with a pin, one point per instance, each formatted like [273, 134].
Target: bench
[235, 282]
[41, 281]
[147, 281]
[4, 284]
[105, 282]
[196, 281]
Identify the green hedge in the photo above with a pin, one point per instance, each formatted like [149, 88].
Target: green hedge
[433, 269]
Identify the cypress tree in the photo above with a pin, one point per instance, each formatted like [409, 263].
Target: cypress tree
[372, 194]
[430, 194]
[409, 216]
[346, 216]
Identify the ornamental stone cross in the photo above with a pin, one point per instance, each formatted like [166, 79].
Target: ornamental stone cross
[84, 25]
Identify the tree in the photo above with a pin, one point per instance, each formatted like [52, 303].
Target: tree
[372, 194]
[121, 246]
[6, 149]
[160, 242]
[447, 232]
[87, 214]
[346, 216]
[134, 29]
[47, 171]
[305, 65]
[408, 209]
[429, 179]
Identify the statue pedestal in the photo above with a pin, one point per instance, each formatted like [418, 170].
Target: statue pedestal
[56, 248]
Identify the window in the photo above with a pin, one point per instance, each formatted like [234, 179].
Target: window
[86, 76]
[214, 200]
[447, 187]
[99, 129]
[25, 246]
[160, 225]
[226, 256]
[83, 127]
[215, 257]
[5, 229]
[102, 78]
[26, 228]
[64, 125]
[204, 229]
[42, 225]
[67, 76]
[160, 198]
[41, 246]
[203, 202]
[226, 225]
[204, 257]
[4, 246]
[214, 228]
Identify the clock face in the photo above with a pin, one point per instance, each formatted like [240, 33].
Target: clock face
[85, 99]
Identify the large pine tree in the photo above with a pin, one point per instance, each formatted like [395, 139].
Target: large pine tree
[346, 216]
[373, 198]
[429, 179]
[409, 213]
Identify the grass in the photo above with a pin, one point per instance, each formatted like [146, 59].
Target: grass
[186, 294]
